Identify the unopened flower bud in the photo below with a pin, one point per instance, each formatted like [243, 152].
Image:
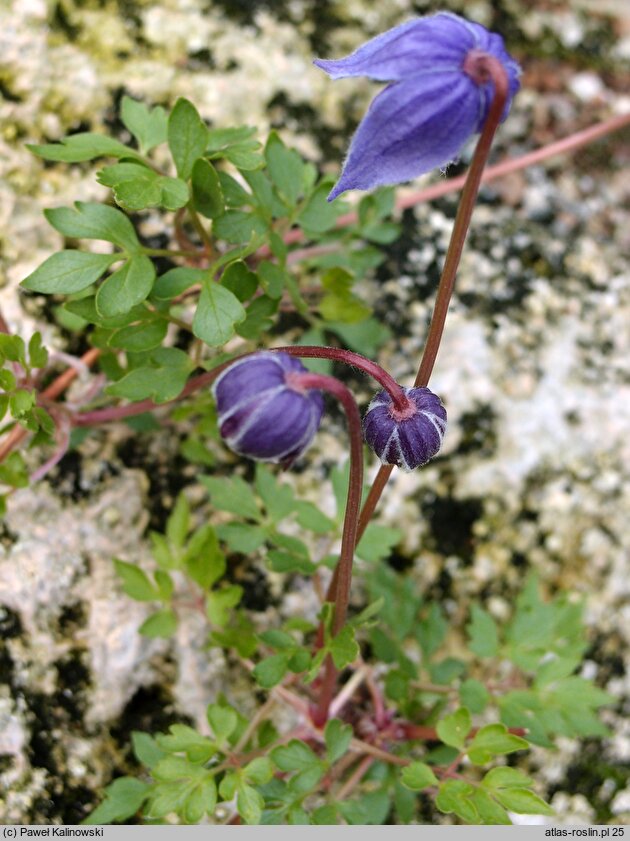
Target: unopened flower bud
[263, 412]
[407, 437]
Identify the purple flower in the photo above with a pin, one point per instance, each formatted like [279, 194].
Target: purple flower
[438, 98]
[407, 438]
[263, 412]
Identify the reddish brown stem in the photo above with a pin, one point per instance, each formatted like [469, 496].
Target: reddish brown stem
[499, 77]
[57, 387]
[399, 399]
[349, 536]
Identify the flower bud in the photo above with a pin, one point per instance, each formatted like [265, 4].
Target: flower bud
[264, 414]
[408, 437]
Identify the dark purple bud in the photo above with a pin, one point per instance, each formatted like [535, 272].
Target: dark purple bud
[263, 412]
[409, 437]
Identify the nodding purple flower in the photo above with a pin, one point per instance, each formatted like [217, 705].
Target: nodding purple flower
[439, 96]
[410, 437]
[263, 412]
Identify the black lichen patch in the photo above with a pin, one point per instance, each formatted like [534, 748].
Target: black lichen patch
[150, 710]
[451, 521]
[587, 775]
[10, 623]
[167, 473]
[73, 681]
[256, 591]
[72, 618]
[7, 537]
[68, 481]
[478, 430]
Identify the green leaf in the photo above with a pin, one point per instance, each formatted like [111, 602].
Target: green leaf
[219, 603]
[273, 278]
[236, 226]
[285, 168]
[489, 810]
[145, 748]
[454, 728]
[166, 798]
[218, 311]
[523, 802]
[84, 146]
[234, 193]
[278, 498]
[135, 582]
[457, 796]
[249, 804]
[174, 193]
[13, 471]
[241, 537]
[244, 156]
[223, 721]
[7, 380]
[319, 215]
[377, 542]
[258, 317]
[162, 377]
[417, 776]
[187, 136]
[173, 768]
[325, 815]
[139, 337]
[178, 523]
[431, 631]
[233, 495]
[474, 695]
[239, 280]
[493, 740]
[339, 303]
[68, 272]
[206, 189]
[369, 809]
[175, 281]
[126, 287]
[182, 739]
[365, 337]
[270, 671]
[148, 125]
[160, 624]
[123, 798]
[204, 560]
[295, 756]
[222, 138]
[20, 403]
[259, 771]
[198, 803]
[137, 187]
[344, 649]
[506, 777]
[338, 737]
[288, 562]
[310, 517]
[483, 633]
[90, 220]
[37, 354]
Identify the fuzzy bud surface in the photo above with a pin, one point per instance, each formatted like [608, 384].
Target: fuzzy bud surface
[408, 438]
[263, 413]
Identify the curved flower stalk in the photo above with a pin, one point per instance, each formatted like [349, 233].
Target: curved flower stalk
[439, 95]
